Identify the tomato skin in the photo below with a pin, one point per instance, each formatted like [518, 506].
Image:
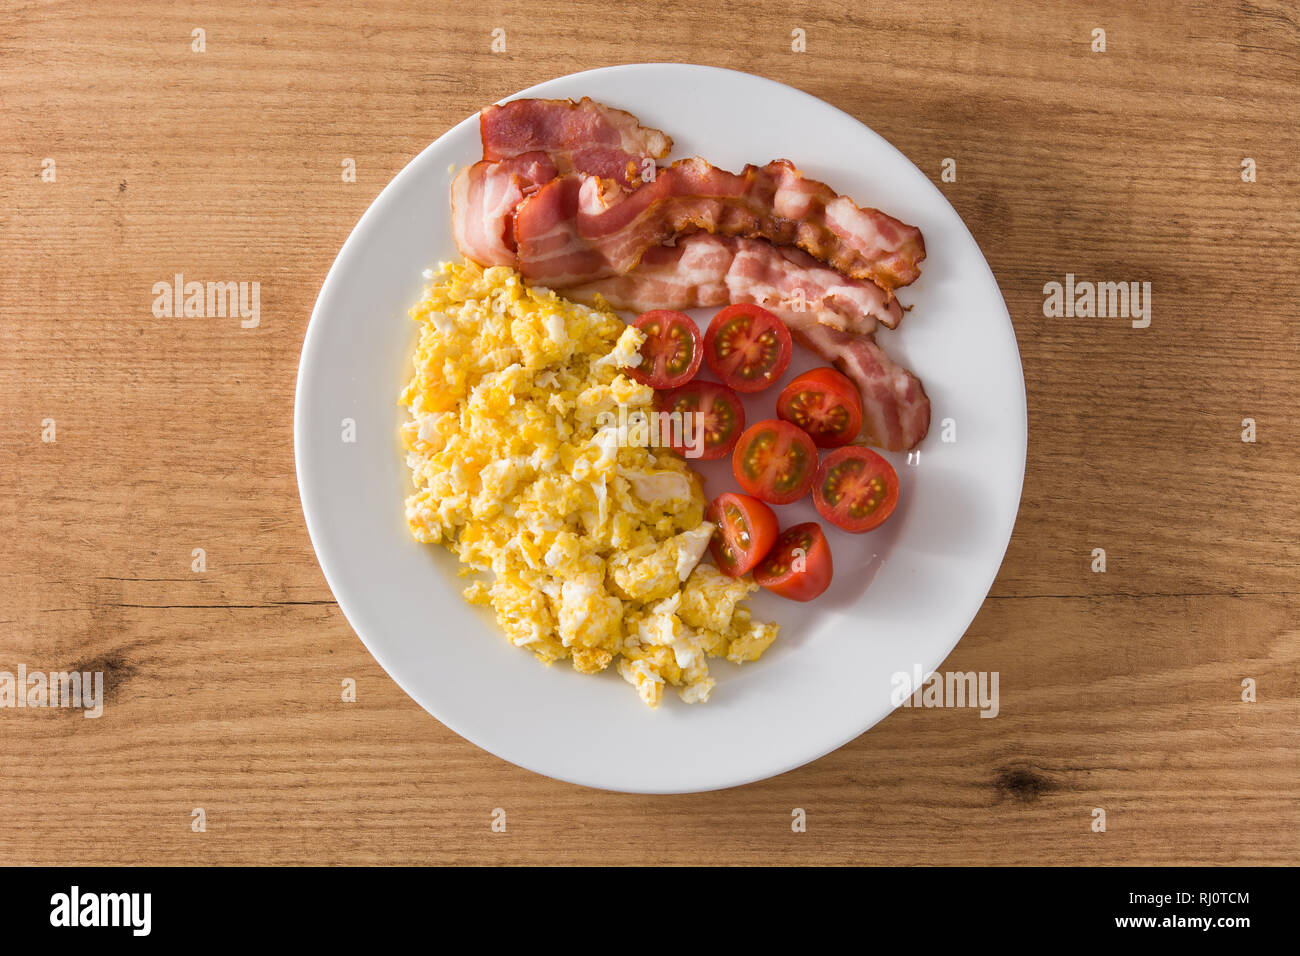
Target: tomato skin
[721, 408]
[825, 403]
[747, 529]
[672, 351]
[777, 572]
[747, 347]
[775, 461]
[855, 489]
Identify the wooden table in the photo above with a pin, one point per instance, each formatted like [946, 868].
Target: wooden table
[1120, 690]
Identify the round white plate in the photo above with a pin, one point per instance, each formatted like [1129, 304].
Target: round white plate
[902, 596]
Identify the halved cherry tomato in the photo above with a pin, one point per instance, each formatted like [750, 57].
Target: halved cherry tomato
[714, 409]
[824, 403]
[747, 347]
[799, 565]
[855, 489]
[672, 351]
[746, 532]
[775, 461]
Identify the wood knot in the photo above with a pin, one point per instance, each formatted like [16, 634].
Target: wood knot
[1023, 783]
[116, 667]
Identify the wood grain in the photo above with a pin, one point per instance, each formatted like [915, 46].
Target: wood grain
[1119, 690]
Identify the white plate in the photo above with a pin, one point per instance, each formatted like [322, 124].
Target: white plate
[828, 677]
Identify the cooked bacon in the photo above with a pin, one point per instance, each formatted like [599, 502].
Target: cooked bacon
[895, 408]
[483, 201]
[579, 228]
[586, 137]
[690, 275]
[705, 270]
[559, 196]
[550, 251]
[783, 279]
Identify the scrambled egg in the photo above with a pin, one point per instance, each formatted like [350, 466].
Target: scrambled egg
[588, 546]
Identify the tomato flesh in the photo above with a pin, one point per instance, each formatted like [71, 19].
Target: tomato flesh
[856, 489]
[775, 461]
[747, 347]
[799, 565]
[825, 404]
[716, 419]
[672, 351]
[747, 529]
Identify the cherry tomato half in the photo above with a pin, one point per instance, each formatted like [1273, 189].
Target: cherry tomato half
[747, 347]
[746, 532]
[855, 489]
[825, 404]
[672, 351]
[775, 461]
[714, 409]
[799, 565]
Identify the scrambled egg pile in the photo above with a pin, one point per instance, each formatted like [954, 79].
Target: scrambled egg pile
[522, 468]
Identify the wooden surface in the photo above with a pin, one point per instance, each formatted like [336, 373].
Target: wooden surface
[1119, 690]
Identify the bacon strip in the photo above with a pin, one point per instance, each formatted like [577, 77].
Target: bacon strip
[483, 201]
[579, 227]
[706, 271]
[690, 275]
[586, 136]
[784, 279]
